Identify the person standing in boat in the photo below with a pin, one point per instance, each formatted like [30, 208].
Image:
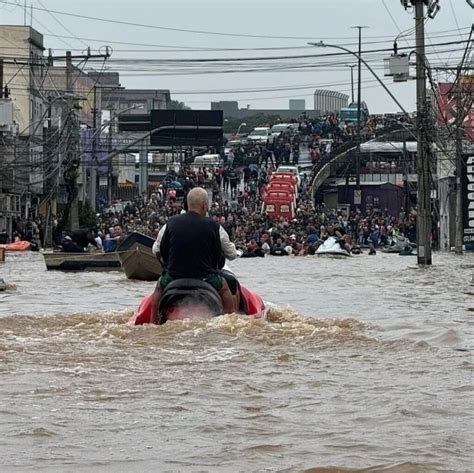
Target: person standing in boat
[192, 245]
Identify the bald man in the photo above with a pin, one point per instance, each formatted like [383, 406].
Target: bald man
[191, 245]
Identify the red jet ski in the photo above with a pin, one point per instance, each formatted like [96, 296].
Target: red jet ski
[197, 300]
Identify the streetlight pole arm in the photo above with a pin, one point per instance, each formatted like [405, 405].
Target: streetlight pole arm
[342, 48]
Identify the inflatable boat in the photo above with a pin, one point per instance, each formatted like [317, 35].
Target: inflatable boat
[17, 246]
[195, 299]
[331, 247]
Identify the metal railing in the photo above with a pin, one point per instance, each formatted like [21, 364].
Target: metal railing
[331, 162]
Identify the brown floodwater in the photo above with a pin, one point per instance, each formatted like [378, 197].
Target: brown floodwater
[365, 364]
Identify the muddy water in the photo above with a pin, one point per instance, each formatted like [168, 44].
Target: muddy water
[366, 365]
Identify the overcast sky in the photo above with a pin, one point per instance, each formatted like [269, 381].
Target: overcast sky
[310, 20]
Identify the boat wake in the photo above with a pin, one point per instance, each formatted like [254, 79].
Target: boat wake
[283, 326]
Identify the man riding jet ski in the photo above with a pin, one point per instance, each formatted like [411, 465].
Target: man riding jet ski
[193, 247]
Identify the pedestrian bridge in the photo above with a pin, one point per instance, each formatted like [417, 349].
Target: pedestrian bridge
[332, 162]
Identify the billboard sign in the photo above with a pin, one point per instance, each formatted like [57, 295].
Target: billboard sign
[467, 189]
[192, 118]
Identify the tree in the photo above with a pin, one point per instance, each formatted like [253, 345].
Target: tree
[177, 105]
[87, 217]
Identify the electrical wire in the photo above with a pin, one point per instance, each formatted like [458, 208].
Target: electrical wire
[166, 28]
[62, 24]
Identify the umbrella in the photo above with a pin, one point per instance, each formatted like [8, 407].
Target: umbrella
[175, 185]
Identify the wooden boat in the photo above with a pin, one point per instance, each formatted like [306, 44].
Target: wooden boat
[17, 246]
[137, 258]
[62, 261]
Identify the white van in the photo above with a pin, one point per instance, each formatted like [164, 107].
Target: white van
[260, 135]
[292, 169]
[208, 161]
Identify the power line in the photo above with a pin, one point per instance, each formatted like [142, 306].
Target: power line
[455, 17]
[181, 30]
[268, 58]
[180, 48]
[61, 24]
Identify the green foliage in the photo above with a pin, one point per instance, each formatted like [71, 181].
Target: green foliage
[87, 217]
[231, 124]
[177, 105]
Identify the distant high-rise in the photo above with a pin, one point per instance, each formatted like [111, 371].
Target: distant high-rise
[329, 101]
[297, 104]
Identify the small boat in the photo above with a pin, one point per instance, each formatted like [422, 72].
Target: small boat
[194, 299]
[62, 261]
[138, 261]
[17, 246]
[3, 285]
[331, 247]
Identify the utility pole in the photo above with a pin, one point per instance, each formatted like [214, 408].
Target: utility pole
[93, 159]
[72, 158]
[423, 171]
[48, 235]
[405, 175]
[458, 242]
[359, 104]
[1, 79]
[143, 169]
[110, 177]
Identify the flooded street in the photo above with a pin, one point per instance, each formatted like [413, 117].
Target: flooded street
[365, 363]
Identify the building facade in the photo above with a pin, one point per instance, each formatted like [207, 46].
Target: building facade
[22, 147]
[329, 101]
[297, 104]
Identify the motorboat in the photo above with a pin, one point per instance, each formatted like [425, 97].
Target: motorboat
[331, 247]
[137, 259]
[195, 299]
[63, 261]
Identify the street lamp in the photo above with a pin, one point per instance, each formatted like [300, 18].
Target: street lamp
[240, 126]
[321, 44]
[352, 80]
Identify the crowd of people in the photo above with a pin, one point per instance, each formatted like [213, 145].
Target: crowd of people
[236, 188]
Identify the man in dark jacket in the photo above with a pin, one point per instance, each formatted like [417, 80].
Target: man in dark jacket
[192, 246]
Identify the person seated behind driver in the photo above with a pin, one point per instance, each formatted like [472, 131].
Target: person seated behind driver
[191, 245]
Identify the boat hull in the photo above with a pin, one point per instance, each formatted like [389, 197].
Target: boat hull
[61, 261]
[137, 259]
